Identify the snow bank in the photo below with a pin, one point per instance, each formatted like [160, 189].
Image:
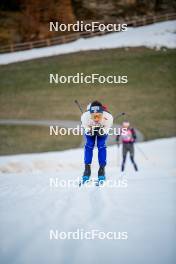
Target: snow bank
[157, 35]
[72, 159]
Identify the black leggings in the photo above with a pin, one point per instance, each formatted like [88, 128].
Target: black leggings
[128, 147]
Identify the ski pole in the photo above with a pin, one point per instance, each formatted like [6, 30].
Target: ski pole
[79, 106]
[119, 114]
[142, 152]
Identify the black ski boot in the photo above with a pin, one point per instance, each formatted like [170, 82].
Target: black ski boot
[87, 173]
[101, 175]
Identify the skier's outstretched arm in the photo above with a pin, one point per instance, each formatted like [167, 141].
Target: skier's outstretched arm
[134, 134]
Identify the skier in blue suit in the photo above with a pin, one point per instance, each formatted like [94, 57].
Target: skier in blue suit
[96, 122]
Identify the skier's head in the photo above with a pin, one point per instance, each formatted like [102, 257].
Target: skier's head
[126, 124]
[96, 110]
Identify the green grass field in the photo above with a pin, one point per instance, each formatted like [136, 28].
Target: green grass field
[29, 139]
[148, 98]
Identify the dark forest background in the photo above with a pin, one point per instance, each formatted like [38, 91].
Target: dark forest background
[24, 20]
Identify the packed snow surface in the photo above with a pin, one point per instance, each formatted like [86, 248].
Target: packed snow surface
[30, 207]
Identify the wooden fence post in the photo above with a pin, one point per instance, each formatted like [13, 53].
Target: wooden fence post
[11, 48]
[48, 42]
[31, 45]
